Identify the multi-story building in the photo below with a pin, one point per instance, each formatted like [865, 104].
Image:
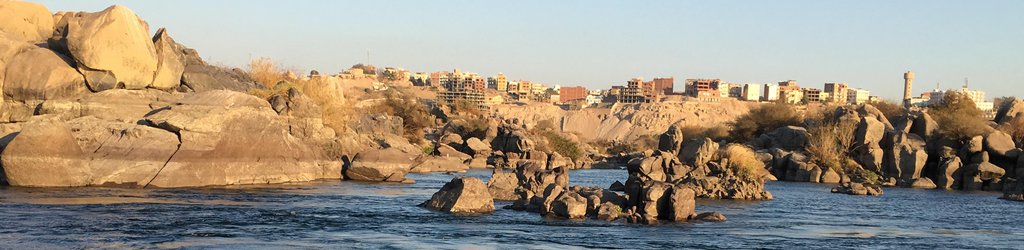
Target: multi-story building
[593, 99]
[791, 96]
[457, 87]
[751, 92]
[771, 92]
[702, 87]
[499, 83]
[937, 96]
[812, 95]
[664, 85]
[633, 93]
[837, 92]
[857, 96]
[569, 94]
[735, 91]
[420, 79]
[538, 89]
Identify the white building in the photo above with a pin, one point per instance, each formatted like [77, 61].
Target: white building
[857, 96]
[751, 92]
[936, 96]
[593, 99]
[771, 92]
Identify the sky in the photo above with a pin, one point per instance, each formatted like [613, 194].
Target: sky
[599, 43]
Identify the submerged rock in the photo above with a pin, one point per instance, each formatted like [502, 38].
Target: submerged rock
[462, 195]
[858, 189]
[710, 217]
[389, 165]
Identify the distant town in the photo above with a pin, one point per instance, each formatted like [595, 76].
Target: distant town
[466, 87]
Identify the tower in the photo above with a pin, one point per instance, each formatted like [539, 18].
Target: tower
[908, 81]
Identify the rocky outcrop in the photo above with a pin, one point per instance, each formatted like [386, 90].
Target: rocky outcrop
[788, 138]
[671, 140]
[1000, 144]
[25, 21]
[45, 154]
[41, 74]
[389, 165]
[698, 152]
[429, 164]
[91, 39]
[201, 77]
[502, 185]
[462, 195]
[1010, 111]
[854, 188]
[170, 62]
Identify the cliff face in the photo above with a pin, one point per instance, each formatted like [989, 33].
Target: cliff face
[627, 121]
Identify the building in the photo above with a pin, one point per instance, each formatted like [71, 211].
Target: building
[593, 99]
[977, 96]
[702, 87]
[735, 91]
[788, 85]
[633, 93]
[812, 95]
[771, 92]
[420, 79]
[665, 85]
[908, 81]
[838, 93]
[751, 92]
[499, 83]
[857, 96]
[569, 94]
[791, 96]
[457, 87]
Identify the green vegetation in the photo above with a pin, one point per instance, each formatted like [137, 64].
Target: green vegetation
[763, 119]
[562, 145]
[958, 117]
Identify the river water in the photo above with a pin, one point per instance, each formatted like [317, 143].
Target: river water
[336, 214]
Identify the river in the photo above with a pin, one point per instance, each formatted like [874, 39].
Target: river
[340, 214]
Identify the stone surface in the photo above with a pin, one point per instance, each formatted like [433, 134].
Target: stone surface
[93, 39]
[699, 152]
[379, 165]
[428, 164]
[1000, 144]
[25, 21]
[41, 74]
[570, 205]
[869, 131]
[502, 185]
[949, 173]
[45, 154]
[711, 217]
[671, 140]
[170, 62]
[478, 147]
[855, 188]
[609, 212]
[230, 138]
[924, 183]
[789, 138]
[462, 195]
[202, 77]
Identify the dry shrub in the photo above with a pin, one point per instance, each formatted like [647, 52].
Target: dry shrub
[890, 109]
[562, 145]
[717, 133]
[830, 141]
[958, 117]
[742, 160]
[763, 119]
[414, 114]
[266, 72]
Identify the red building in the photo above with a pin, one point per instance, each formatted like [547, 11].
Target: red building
[568, 94]
[666, 85]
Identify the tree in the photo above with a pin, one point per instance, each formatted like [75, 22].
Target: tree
[959, 117]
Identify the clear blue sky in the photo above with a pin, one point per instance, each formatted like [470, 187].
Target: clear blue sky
[868, 44]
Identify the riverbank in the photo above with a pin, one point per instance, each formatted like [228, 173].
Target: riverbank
[368, 215]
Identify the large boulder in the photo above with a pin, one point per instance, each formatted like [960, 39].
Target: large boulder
[869, 131]
[1010, 111]
[698, 152]
[121, 105]
[123, 153]
[477, 146]
[949, 173]
[1000, 144]
[428, 164]
[230, 138]
[45, 154]
[867, 110]
[41, 74]
[462, 195]
[680, 204]
[502, 185]
[203, 77]
[25, 21]
[924, 125]
[789, 138]
[671, 140]
[570, 205]
[93, 40]
[170, 62]
[379, 165]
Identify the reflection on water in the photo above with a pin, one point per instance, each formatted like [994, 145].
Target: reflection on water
[333, 214]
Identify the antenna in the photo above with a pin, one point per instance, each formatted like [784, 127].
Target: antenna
[367, 56]
[965, 82]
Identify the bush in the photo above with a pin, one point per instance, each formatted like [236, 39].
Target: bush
[764, 118]
[890, 109]
[830, 142]
[717, 133]
[958, 117]
[742, 160]
[414, 114]
[265, 72]
[562, 145]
